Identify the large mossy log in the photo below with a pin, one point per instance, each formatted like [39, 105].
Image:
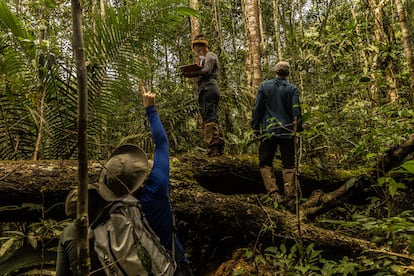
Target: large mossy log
[30, 185]
[228, 210]
[217, 202]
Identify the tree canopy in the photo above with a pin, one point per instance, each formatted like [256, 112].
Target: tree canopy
[355, 85]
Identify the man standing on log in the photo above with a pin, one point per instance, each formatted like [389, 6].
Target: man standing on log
[208, 95]
[276, 116]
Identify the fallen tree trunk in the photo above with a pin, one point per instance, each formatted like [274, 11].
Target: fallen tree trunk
[321, 202]
[213, 218]
[29, 186]
[226, 223]
[216, 201]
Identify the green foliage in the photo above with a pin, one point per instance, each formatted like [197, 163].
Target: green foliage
[118, 56]
[395, 232]
[392, 185]
[363, 132]
[147, 40]
[407, 169]
[300, 260]
[27, 245]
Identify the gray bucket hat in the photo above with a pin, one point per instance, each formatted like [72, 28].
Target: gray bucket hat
[124, 172]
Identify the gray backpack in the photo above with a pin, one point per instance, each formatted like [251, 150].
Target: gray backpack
[126, 244]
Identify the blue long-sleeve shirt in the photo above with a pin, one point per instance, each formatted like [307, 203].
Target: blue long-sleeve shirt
[154, 198]
[154, 195]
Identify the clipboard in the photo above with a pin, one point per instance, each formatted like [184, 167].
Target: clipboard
[189, 68]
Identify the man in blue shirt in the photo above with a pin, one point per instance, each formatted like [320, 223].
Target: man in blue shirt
[275, 112]
[153, 195]
[125, 173]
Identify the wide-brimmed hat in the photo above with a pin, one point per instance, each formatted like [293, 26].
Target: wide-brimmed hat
[199, 40]
[124, 172]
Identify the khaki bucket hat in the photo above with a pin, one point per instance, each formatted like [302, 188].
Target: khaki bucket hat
[124, 172]
[199, 40]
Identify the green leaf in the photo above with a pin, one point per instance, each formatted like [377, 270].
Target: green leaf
[187, 11]
[271, 249]
[6, 246]
[393, 188]
[385, 180]
[409, 166]
[32, 240]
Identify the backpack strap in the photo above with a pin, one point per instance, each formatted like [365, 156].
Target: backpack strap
[112, 206]
[102, 217]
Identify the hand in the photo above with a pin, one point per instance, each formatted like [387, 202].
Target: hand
[299, 126]
[148, 98]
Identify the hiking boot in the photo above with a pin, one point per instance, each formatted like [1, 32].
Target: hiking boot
[269, 180]
[214, 139]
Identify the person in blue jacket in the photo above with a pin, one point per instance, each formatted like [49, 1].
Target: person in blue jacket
[130, 165]
[276, 113]
[125, 173]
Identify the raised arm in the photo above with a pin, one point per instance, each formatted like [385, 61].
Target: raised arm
[159, 176]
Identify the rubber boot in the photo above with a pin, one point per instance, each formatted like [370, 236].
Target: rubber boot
[290, 188]
[270, 184]
[214, 139]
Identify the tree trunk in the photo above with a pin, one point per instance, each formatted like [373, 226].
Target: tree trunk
[82, 204]
[319, 202]
[263, 36]
[47, 182]
[220, 203]
[300, 11]
[40, 97]
[194, 21]
[364, 58]
[221, 224]
[278, 43]
[407, 44]
[252, 11]
[248, 61]
[376, 7]
[225, 217]
[102, 8]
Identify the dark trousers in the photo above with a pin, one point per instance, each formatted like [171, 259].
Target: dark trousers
[268, 147]
[208, 98]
